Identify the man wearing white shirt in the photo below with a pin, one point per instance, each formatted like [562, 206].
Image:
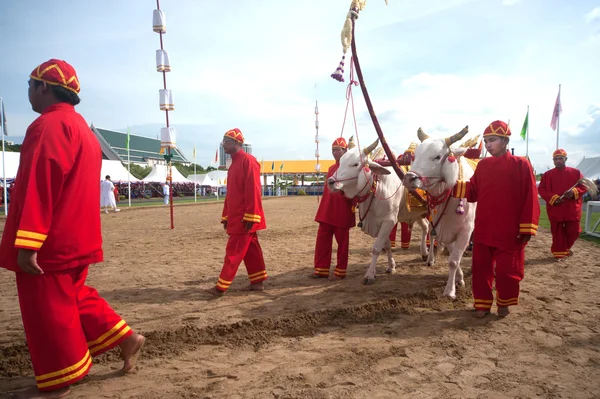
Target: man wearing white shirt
[166, 193]
[107, 195]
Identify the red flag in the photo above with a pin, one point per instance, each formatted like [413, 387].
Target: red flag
[557, 111]
[217, 156]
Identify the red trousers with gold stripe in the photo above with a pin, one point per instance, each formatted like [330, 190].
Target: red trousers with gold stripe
[66, 323]
[564, 235]
[323, 250]
[242, 247]
[405, 234]
[508, 265]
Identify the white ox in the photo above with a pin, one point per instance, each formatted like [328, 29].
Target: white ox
[381, 196]
[436, 169]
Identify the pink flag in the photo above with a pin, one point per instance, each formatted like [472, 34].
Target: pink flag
[557, 111]
[217, 156]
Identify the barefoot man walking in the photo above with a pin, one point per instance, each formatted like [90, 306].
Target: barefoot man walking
[242, 217]
[53, 234]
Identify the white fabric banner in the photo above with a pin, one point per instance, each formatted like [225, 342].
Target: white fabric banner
[162, 61]
[166, 100]
[167, 137]
[159, 22]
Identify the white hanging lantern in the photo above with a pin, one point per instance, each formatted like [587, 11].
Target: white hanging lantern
[166, 100]
[318, 167]
[167, 137]
[162, 61]
[316, 138]
[159, 22]
[316, 124]
[316, 153]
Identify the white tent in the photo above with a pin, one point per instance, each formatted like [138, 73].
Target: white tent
[116, 171]
[218, 177]
[11, 161]
[590, 167]
[159, 174]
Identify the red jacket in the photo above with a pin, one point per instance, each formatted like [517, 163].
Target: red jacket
[507, 200]
[243, 202]
[554, 184]
[55, 208]
[334, 208]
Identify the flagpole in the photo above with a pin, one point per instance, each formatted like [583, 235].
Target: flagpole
[128, 170]
[195, 181]
[558, 117]
[317, 166]
[527, 135]
[2, 122]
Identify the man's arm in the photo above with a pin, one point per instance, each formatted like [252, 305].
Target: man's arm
[50, 158]
[252, 193]
[530, 210]
[544, 191]
[466, 189]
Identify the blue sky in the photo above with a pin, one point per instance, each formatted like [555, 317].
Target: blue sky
[260, 65]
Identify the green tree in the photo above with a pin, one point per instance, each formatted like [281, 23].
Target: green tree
[188, 170]
[138, 171]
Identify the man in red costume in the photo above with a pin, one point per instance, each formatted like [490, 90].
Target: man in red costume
[405, 160]
[53, 234]
[242, 216]
[507, 216]
[335, 216]
[564, 196]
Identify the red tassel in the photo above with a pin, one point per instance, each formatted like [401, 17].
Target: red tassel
[451, 159]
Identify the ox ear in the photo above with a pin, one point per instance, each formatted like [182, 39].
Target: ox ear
[378, 169]
[459, 151]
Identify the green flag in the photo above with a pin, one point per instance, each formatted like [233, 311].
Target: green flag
[525, 126]
[281, 167]
[127, 141]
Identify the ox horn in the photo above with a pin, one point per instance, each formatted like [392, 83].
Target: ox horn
[421, 135]
[455, 137]
[370, 148]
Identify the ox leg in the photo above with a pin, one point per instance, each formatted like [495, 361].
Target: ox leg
[431, 256]
[382, 237]
[391, 262]
[455, 273]
[424, 228]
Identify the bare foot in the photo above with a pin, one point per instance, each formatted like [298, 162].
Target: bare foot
[503, 311]
[130, 350]
[479, 314]
[335, 278]
[317, 276]
[570, 253]
[255, 287]
[215, 291]
[34, 393]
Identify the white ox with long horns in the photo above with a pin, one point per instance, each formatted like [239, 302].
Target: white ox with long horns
[380, 194]
[436, 169]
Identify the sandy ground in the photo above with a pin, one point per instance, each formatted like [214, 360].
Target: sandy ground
[306, 338]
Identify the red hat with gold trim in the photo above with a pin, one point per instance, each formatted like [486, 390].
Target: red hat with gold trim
[235, 134]
[340, 142]
[57, 73]
[497, 128]
[559, 153]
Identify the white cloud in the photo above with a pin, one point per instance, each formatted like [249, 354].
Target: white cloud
[593, 16]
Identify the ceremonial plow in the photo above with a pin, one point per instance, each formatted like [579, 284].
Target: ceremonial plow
[457, 227]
